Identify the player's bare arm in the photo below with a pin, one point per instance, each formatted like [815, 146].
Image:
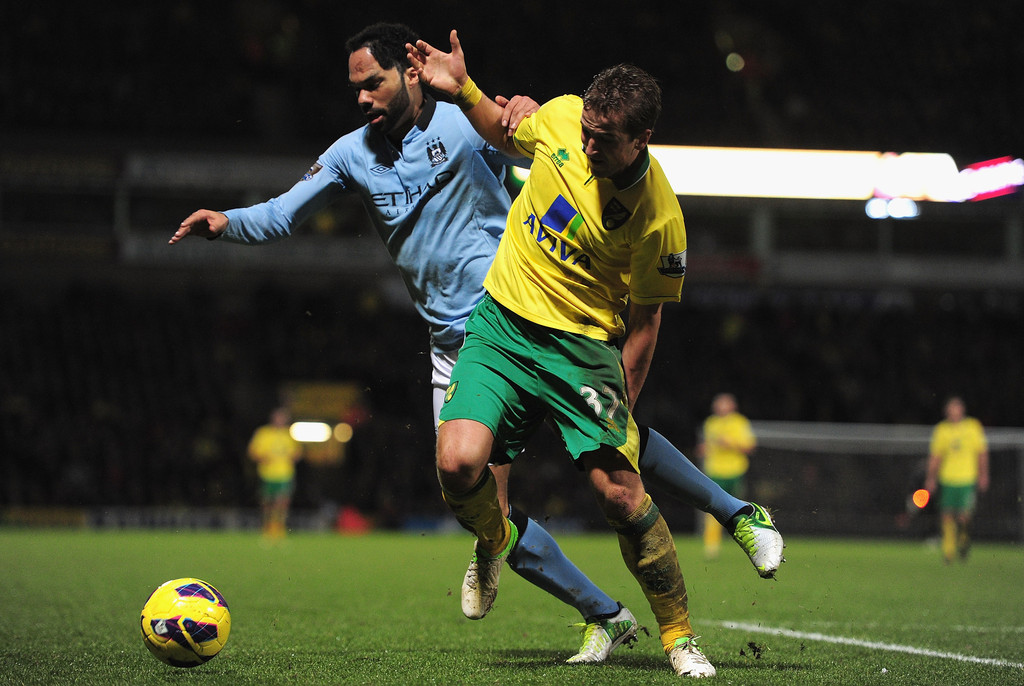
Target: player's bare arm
[638, 348]
[446, 72]
[202, 223]
[930, 480]
[983, 477]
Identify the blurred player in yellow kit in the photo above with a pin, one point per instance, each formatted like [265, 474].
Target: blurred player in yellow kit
[958, 461]
[727, 443]
[275, 453]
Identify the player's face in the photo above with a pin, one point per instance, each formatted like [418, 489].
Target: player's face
[723, 405]
[955, 410]
[382, 94]
[607, 145]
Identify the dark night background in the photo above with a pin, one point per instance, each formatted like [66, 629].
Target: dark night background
[133, 386]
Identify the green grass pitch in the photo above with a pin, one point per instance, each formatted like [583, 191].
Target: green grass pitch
[384, 609]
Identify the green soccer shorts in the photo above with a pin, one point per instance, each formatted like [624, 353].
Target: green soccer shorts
[733, 485]
[511, 374]
[957, 498]
[272, 490]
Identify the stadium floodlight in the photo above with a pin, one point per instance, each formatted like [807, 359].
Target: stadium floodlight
[310, 432]
[903, 208]
[343, 432]
[896, 208]
[734, 62]
[877, 208]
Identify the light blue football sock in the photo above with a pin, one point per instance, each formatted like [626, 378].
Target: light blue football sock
[538, 559]
[662, 465]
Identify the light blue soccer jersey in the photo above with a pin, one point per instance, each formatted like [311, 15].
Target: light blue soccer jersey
[438, 203]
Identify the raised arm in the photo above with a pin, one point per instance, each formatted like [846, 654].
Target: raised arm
[446, 73]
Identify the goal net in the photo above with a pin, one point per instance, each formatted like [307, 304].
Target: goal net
[857, 480]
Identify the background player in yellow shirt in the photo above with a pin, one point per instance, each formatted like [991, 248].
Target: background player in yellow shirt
[275, 453]
[958, 460]
[727, 443]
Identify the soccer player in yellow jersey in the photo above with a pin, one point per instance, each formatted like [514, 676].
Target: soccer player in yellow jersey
[275, 453]
[725, 447]
[595, 229]
[958, 461]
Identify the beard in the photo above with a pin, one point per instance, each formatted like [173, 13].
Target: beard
[393, 113]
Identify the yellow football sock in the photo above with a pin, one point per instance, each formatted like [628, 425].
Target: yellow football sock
[963, 538]
[712, 536]
[478, 511]
[650, 554]
[948, 538]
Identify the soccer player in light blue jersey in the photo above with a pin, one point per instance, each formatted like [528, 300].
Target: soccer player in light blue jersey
[434, 191]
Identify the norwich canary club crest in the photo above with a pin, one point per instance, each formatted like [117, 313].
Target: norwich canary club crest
[614, 215]
[451, 391]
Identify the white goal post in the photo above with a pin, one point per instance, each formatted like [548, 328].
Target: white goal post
[855, 479]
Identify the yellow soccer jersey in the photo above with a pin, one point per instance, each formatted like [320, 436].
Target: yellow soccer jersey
[576, 248]
[721, 462]
[275, 453]
[958, 444]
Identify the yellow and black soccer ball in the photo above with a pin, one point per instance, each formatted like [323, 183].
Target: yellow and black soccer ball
[185, 622]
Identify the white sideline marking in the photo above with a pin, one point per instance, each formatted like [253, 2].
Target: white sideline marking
[843, 640]
[962, 628]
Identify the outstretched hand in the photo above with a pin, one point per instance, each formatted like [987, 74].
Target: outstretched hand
[445, 72]
[202, 223]
[442, 71]
[515, 110]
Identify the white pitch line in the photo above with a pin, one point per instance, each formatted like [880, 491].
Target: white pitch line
[843, 640]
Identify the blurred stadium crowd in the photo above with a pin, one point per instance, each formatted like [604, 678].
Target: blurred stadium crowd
[120, 395]
[891, 76]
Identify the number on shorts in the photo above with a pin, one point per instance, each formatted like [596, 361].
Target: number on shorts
[593, 398]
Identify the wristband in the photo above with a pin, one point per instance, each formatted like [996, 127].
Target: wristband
[468, 95]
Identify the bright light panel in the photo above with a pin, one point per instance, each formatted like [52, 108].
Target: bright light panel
[829, 174]
[812, 174]
[310, 432]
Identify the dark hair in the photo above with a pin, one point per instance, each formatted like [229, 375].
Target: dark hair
[386, 43]
[628, 92]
